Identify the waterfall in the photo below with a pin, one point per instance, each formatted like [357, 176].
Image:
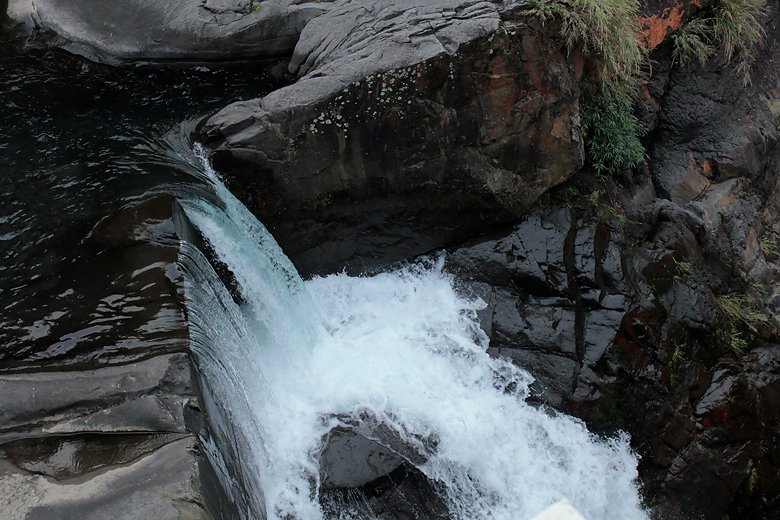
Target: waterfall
[284, 360]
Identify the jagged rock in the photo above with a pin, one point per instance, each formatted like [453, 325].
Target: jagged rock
[555, 297]
[177, 30]
[712, 128]
[413, 124]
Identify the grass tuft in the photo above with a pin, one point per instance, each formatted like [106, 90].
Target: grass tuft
[738, 31]
[770, 248]
[693, 43]
[606, 32]
[731, 32]
[745, 320]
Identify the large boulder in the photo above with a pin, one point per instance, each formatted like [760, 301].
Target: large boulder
[413, 124]
[176, 30]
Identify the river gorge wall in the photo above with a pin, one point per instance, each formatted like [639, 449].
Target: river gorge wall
[414, 127]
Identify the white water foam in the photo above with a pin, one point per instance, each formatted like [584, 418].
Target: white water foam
[403, 346]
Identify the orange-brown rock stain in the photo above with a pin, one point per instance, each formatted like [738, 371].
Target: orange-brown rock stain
[656, 27]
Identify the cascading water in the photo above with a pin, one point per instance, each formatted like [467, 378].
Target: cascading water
[283, 358]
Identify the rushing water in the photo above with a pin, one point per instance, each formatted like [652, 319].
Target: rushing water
[283, 359]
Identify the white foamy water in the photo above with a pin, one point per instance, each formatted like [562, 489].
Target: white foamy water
[403, 347]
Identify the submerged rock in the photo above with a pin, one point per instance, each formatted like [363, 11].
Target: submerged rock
[412, 125]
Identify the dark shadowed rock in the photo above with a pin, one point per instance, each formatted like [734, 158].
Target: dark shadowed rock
[361, 449]
[351, 460]
[712, 128]
[610, 297]
[413, 124]
[178, 30]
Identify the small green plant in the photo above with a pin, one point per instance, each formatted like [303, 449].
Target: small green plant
[676, 361]
[612, 133]
[678, 355]
[256, 5]
[731, 32]
[770, 247]
[616, 214]
[740, 308]
[737, 340]
[605, 31]
[594, 198]
[752, 482]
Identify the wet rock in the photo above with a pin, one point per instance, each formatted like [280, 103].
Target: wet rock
[412, 125]
[160, 484]
[350, 460]
[405, 494]
[365, 457]
[361, 449]
[97, 407]
[145, 396]
[180, 30]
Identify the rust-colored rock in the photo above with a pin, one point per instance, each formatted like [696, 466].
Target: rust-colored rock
[662, 17]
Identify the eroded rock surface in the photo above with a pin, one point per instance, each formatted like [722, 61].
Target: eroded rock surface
[178, 30]
[98, 410]
[413, 124]
[161, 482]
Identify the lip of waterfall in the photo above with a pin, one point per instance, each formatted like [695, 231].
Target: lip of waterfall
[398, 358]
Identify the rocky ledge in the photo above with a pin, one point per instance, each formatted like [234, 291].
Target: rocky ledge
[98, 405]
[413, 125]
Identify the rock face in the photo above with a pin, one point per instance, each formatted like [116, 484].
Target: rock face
[413, 124]
[660, 18]
[612, 296]
[178, 30]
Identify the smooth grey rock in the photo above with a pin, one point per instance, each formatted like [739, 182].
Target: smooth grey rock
[161, 485]
[146, 396]
[175, 30]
